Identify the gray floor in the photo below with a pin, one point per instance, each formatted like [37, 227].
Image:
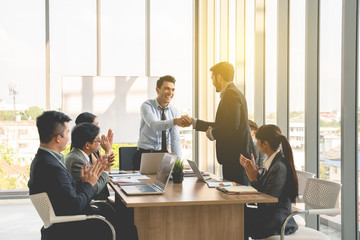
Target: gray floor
[19, 220]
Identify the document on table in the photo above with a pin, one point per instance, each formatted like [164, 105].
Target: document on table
[221, 184]
[125, 181]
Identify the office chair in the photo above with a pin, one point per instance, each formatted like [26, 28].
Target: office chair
[46, 212]
[322, 198]
[126, 155]
[302, 177]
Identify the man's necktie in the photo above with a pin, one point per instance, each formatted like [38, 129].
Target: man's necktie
[163, 134]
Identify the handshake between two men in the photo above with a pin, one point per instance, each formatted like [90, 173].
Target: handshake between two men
[186, 121]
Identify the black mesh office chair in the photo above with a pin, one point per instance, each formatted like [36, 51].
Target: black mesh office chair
[126, 155]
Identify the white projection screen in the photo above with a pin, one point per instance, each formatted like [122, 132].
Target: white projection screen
[115, 101]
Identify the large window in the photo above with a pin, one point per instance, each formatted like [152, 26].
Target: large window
[329, 96]
[297, 81]
[22, 87]
[171, 54]
[249, 56]
[122, 38]
[270, 61]
[73, 41]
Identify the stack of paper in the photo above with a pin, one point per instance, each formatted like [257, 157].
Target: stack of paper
[128, 179]
[238, 189]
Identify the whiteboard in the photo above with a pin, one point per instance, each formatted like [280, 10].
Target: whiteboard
[115, 101]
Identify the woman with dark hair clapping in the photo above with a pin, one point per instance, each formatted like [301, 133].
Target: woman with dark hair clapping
[277, 178]
[106, 141]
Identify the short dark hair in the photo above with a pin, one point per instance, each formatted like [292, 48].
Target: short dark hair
[85, 117]
[51, 124]
[225, 69]
[252, 125]
[83, 133]
[166, 78]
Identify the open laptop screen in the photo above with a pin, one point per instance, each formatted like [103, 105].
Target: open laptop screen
[164, 171]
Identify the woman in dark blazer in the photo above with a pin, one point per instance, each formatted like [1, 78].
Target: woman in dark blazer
[277, 178]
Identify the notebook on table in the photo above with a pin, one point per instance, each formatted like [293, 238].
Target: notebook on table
[238, 190]
[162, 178]
[150, 162]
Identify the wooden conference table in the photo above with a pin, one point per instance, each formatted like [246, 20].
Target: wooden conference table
[190, 210]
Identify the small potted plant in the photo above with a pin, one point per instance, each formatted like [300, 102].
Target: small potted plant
[178, 174]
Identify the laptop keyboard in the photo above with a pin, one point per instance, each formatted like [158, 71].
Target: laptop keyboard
[146, 188]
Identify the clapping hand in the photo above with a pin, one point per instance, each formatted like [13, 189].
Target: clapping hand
[105, 144]
[110, 136]
[250, 167]
[92, 174]
[108, 160]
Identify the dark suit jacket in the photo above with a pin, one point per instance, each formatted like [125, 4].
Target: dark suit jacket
[67, 196]
[74, 161]
[268, 218]
[48, 175]
[230, 129]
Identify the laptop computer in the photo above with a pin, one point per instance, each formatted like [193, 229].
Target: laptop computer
[150, 162]
[162, 178]
[199, 175]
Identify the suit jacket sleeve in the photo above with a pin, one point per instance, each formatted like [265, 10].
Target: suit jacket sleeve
[101, 183]
[71, 200]
[230, 110]
[273, 181]
[77, 162]
[203, 125]
[67, 196]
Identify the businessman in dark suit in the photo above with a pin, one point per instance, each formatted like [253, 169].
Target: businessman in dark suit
[48, 174]
[230, 129]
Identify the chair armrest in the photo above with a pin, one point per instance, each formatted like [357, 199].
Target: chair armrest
[71, 218]
[104, 220]
[327, 211]
[94, 203]
[287, 219]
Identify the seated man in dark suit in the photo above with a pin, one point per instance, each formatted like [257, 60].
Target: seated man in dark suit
[68, 197]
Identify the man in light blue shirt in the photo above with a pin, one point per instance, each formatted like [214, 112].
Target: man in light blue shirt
[160, 121]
